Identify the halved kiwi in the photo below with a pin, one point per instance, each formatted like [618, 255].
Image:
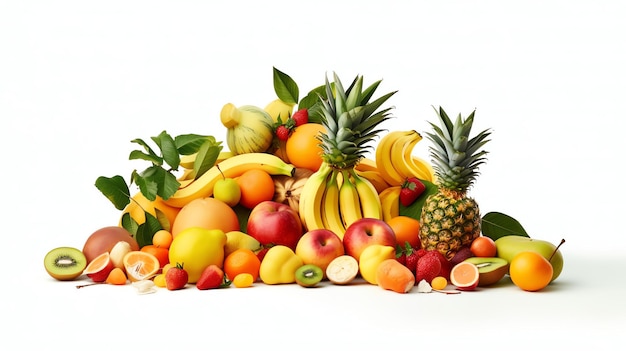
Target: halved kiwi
[65, 263]
[309, 275]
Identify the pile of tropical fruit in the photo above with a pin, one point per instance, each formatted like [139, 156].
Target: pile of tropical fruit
[301, 194]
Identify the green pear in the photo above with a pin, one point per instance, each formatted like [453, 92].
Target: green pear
[510, 245]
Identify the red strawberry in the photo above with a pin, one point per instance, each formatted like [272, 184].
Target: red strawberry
[411, 261]
[428, 267]
[176, 277]
[400, 255]
[301, 117]
[212, 277]
[412, 188]
[445, 264]
[282, 132]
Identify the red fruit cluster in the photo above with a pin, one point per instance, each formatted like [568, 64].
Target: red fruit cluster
[425, 264]
[283, 130]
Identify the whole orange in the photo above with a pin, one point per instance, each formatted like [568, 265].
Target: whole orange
[242, 261]
[530, 271]
[256, 186]
[406, 229]
[483, 246]
[207, 213]
[303, 147]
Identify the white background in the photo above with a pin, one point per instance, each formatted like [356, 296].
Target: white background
[80, 79]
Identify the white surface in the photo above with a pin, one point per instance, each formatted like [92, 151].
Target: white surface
[79, 80]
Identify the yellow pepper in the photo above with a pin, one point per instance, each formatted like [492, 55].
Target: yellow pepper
[279, 265]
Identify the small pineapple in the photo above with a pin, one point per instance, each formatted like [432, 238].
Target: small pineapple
[450, 220]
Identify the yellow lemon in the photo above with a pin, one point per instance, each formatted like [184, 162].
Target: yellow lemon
[371, 257]
[197, 248]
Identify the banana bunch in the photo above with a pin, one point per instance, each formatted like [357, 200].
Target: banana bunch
[230, 167]
[336, 198]
[395, 161]
[390, 202]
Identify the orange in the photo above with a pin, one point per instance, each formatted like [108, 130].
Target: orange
[407, 229]
[303, 147]
[162, 254]
[207, 213]
[256, 186]
[242, 261]
[530, 271]
[393, 275]
[141, 265]
[162, 238]
[483, 246]
[464, 276]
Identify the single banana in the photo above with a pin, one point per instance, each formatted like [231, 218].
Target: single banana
[311, 198]
[375, 178]
[330, 207]
[187, 161]
[390, 202]
[368, 196]
[424, 168]
[349, 202]
[231, 168]
[384, 161]
[401, 152]
[366, 164]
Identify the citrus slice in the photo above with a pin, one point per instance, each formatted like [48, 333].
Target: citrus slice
[140, 265]
[464, 276]
[99, 268]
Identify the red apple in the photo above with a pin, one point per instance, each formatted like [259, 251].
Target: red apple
[365, 232]
[274, 223]
[319, 247]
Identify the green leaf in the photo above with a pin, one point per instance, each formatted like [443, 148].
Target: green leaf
[285, 87]
[139, 155]
[169, 151]
[415, 209]
[188, 144]
[496, 225]
[146, 230]
[165, 223]
[147, 186]
[115, 189]
[206, 158]
[169, 186]
[149, 153]
[130, 224]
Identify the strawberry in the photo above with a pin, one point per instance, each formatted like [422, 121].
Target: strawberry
[282, 132]
[408, 256]
[212, 277]
[176, 277]
[445, 264]
[428, 267]
[412, 188]
[411, 261]
[301, 117]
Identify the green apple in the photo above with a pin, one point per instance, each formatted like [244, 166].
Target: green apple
[228, 191]
[510, 245]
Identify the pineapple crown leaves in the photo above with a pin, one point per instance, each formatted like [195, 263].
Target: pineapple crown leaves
[455, 156]
[350, 119]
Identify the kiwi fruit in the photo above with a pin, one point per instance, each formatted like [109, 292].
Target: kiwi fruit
[65, 263]
[309, 275]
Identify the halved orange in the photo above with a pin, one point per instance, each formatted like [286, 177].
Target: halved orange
[141, 265]
[464, 276]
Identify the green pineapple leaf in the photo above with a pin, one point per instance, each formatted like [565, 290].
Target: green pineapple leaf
[496, 225]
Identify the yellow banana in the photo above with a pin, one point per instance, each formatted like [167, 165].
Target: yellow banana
[349, 203]
[231, 167]
[390, 202]
[366, 164]
[330, 207]
[187, 161]
[375, 178]
[311, 198]
[424, 168]
[401, 152]
[368, 196]
[384, 161]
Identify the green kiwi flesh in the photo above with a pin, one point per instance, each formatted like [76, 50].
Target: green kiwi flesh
[309, 275]
[65, 263]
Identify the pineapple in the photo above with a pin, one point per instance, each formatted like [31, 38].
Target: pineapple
[450, 219]
[350, 121]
